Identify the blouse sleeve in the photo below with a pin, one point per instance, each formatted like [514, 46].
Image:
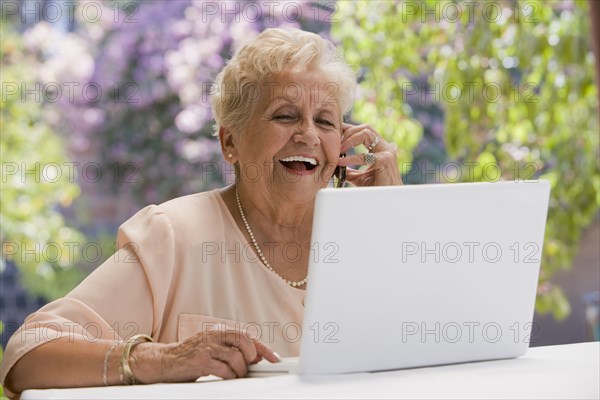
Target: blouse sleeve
[124, 296]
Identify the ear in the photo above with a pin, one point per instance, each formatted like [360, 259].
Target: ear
[226, 137]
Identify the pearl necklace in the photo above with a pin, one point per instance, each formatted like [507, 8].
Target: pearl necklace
[258, 250]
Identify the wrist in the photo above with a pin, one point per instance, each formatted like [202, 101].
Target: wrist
[145, 363]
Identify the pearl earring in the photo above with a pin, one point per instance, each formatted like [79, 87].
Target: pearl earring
[229, 155]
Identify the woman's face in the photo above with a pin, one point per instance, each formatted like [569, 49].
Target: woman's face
[291, 146]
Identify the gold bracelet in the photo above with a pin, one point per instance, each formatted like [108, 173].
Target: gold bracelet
[127, 376]
[105, 365]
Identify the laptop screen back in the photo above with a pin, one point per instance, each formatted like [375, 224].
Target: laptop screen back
[422, 275]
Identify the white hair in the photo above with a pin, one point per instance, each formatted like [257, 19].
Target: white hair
[271, 52]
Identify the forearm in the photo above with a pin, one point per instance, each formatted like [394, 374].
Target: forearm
[75, 362]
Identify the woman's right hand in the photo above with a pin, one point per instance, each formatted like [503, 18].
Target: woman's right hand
[223, 353]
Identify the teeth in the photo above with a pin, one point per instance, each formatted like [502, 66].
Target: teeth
[312, 161]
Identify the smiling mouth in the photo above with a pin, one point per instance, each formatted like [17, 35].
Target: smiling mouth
[299, 163]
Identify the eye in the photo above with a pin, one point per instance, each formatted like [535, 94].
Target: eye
[284, 117]
[325, 122]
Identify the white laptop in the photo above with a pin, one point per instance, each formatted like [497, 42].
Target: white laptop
[420, 275]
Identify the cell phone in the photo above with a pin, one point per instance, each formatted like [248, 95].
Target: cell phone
[340, 174]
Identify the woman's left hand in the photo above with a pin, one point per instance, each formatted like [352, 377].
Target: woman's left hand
[382, 168]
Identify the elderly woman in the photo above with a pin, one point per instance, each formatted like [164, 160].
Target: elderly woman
[201, 284]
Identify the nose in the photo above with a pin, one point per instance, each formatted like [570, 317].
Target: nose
[307, 133]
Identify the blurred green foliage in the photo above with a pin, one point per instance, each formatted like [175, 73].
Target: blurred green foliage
[515, 83]
[512, 80]
[33, 231]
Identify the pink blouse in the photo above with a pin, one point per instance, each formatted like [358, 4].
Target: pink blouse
[181, 267]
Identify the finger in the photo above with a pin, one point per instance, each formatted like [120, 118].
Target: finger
[354, 174]
[220, 369]
[383, 173]
[354, 159]
[266, 352]
[360, 177]
[244, 345]
[361, 137]
[234, 357]
[346, 126]
[349, 130]
[257, 359]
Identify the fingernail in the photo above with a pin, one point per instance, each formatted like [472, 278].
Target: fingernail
[278, 357]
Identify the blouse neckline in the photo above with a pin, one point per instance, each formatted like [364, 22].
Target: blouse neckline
[240, 234]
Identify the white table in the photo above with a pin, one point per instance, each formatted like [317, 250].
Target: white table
[567, 371]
